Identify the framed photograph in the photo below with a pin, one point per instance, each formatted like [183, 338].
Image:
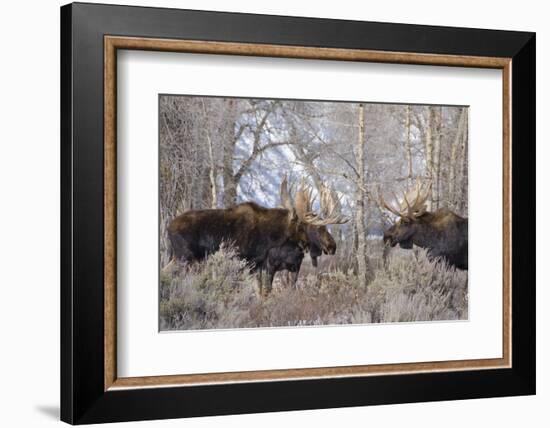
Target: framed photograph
[265, 213]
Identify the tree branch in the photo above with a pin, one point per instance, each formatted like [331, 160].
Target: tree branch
[248, 162]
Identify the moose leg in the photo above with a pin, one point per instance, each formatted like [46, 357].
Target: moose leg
[267, 272]
[287, 275]
[294, 278]
[315, 263]
[265, 281]
[259, 281]
[385, 254]
[268, 282]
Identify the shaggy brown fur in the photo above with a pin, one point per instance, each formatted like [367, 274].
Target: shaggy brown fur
[443, 233]
[270, 239]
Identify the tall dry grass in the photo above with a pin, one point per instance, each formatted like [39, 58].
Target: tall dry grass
[221, 292]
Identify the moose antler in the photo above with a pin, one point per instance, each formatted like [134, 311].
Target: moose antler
[303, 204]
[286, 201]
[303, 200]
[389, 207]
[407, 209]
[330, 209]
[418, 195]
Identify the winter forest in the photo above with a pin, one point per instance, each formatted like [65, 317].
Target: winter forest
[216, 153]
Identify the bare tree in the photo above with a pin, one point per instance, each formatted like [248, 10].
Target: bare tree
[213, 167]
[217, 152]
[436, 153]
[408, 144]
[429, 150]
[453, 164]
[462, 204]
[360, 201]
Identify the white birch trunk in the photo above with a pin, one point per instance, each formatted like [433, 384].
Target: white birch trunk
[429, 152]
[408, 148]
[212, 174]
[360, 201]
[462, 196]
[436, 135]
[453, 166]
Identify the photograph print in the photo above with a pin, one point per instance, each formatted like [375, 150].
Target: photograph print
[286, 213]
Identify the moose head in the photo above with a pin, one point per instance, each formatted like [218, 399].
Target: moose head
[408, 211]
[314, 225]
[443, 233]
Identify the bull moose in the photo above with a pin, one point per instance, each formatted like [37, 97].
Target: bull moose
[289, 256]
[443, 233]
[270, 239]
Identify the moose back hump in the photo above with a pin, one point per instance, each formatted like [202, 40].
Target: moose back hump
[270, 239]
[252, 229]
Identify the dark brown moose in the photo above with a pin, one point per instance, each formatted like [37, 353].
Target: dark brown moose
[270, 239]
[319, 238]
[443, 233]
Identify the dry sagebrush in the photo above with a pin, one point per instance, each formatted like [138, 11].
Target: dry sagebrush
[221, 292]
